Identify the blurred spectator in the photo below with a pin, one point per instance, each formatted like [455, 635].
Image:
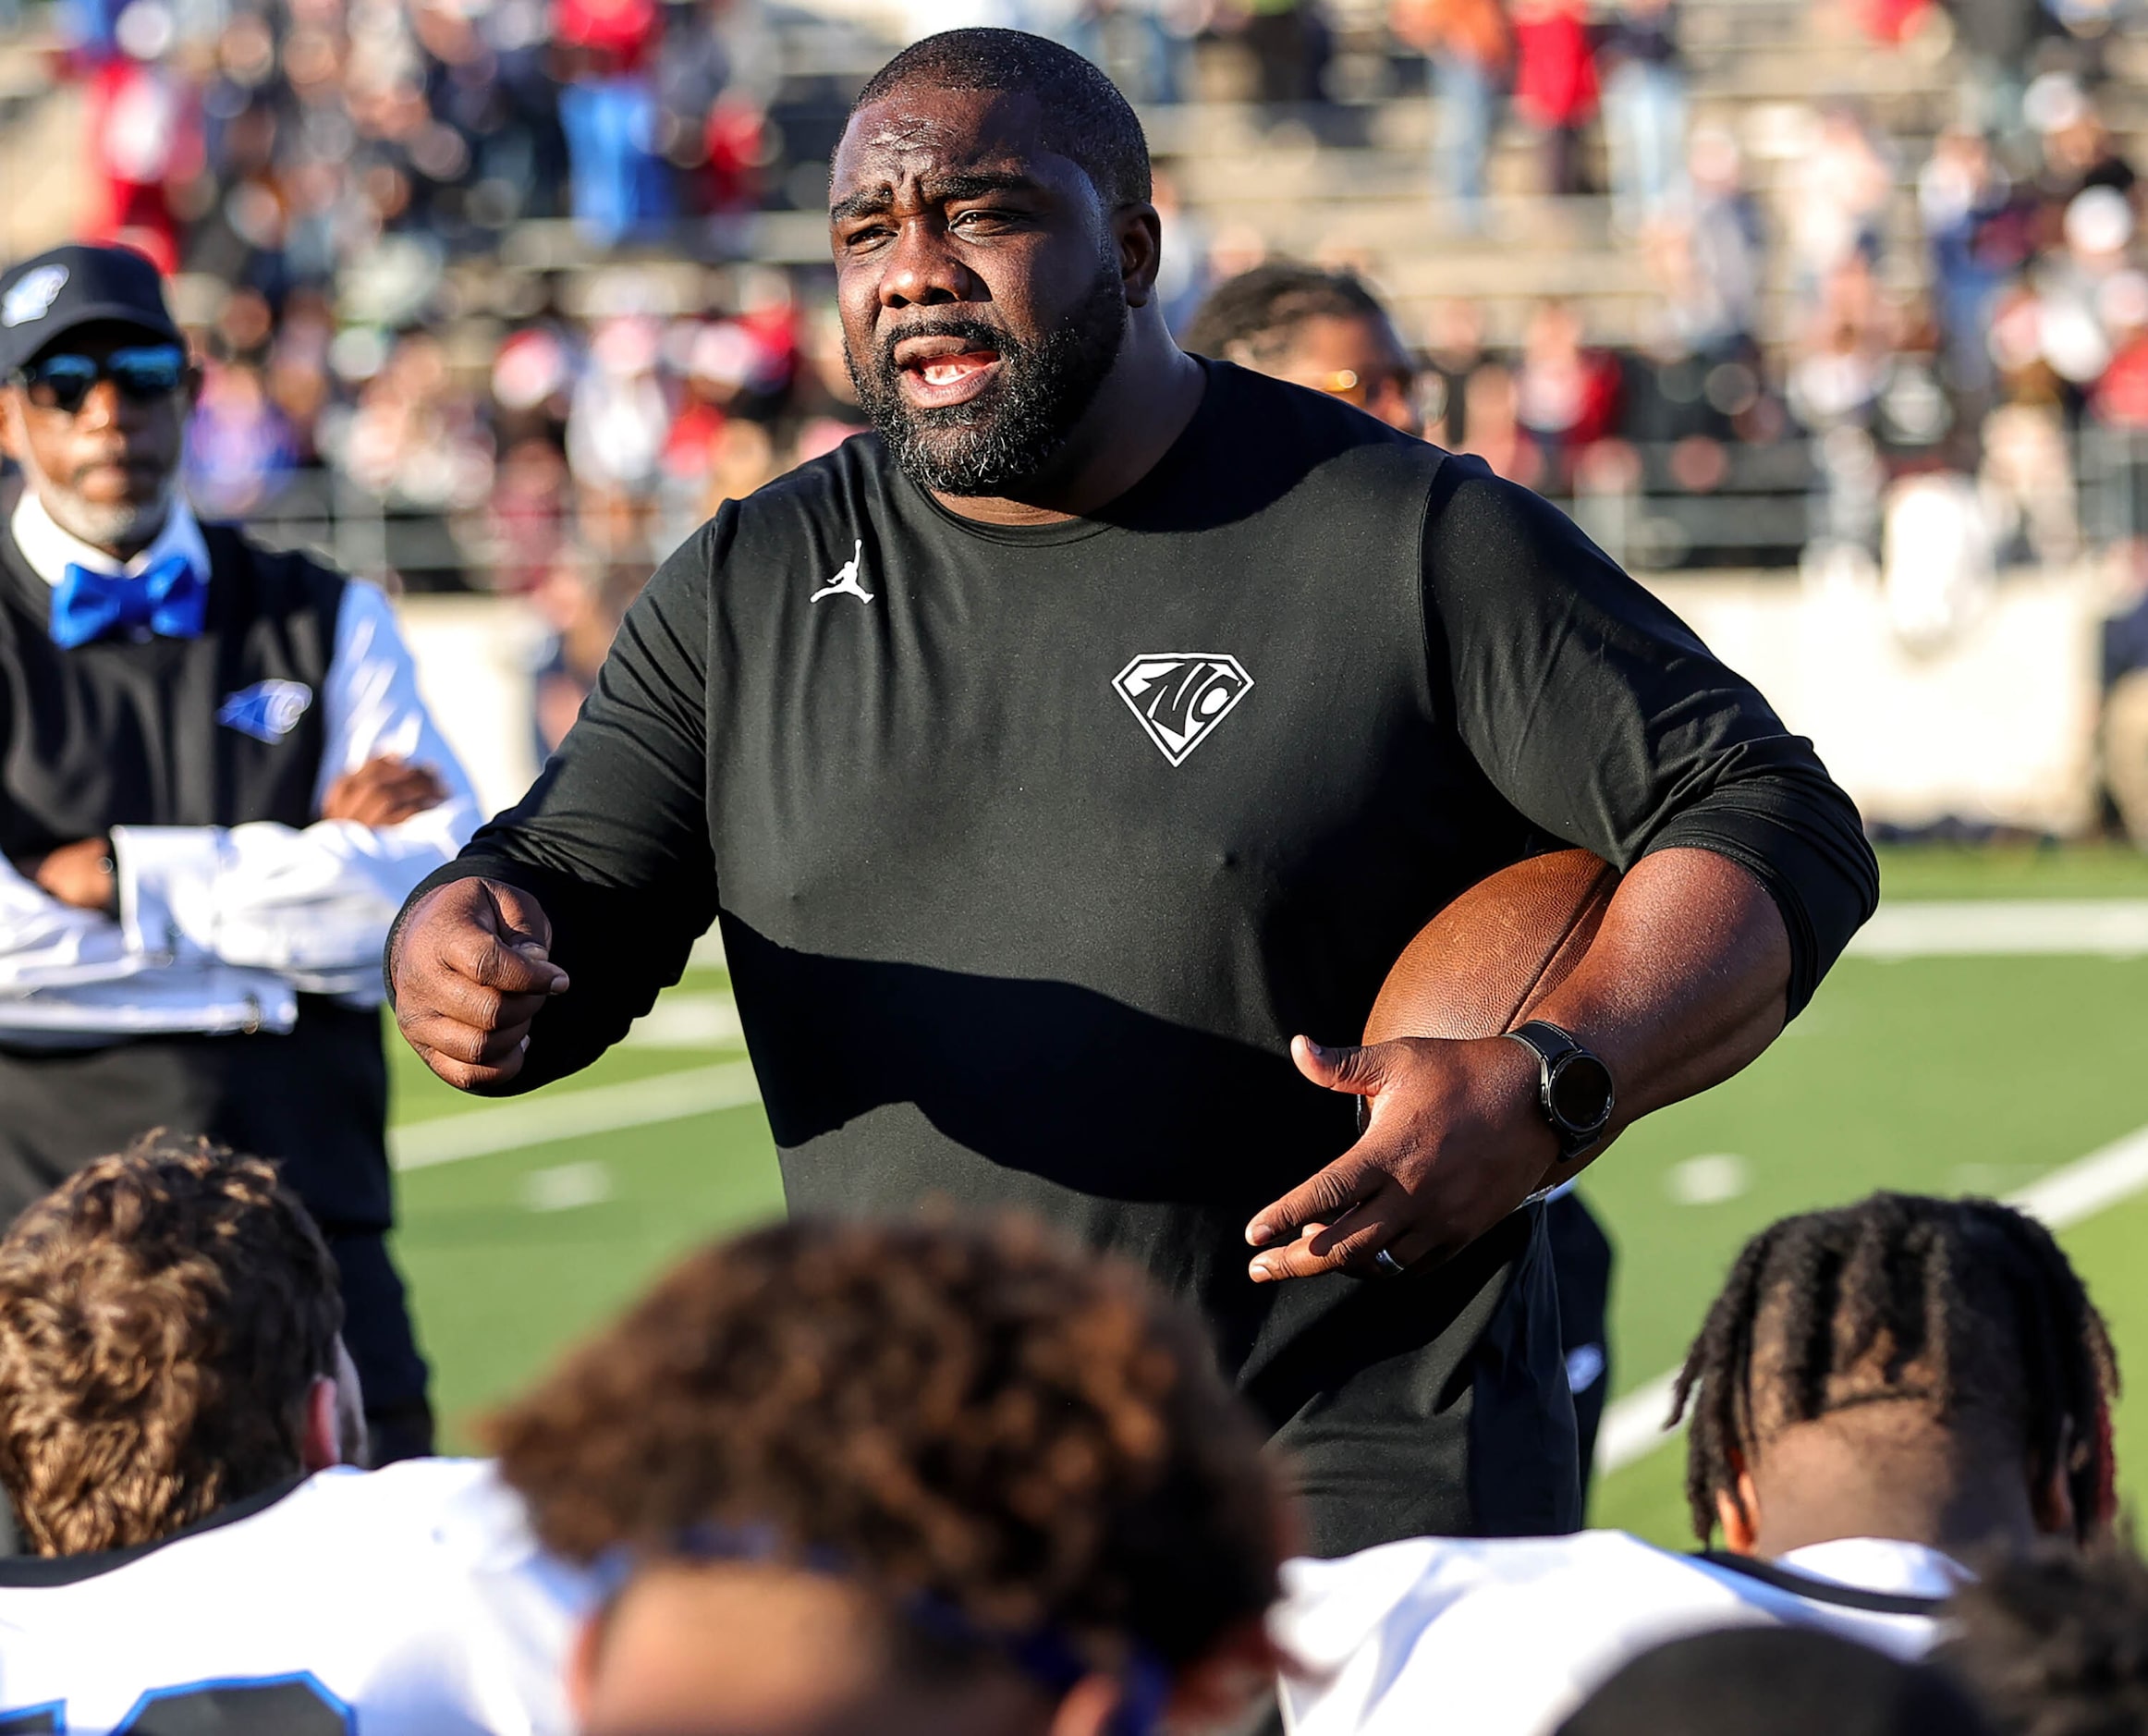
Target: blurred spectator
[1979, 235]
[1318, 328]
[1568, 394]
[2077, 149]
[144, 136]
[1994, 38]
[1454, 351]
[1645, 110]
[608, 108]
[582, 608]
[1470, 49]
[1711, 259]
[1142, 44]
[1554, 84]
[239, 449]
[1289, 44]
[2125, 722]
[1839, 193]
[1937, 566]
[415, 438]
[615, 433]
[1492, 411]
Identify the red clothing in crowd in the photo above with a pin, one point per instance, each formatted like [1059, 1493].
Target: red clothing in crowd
[143, 139]
[618, 34]
[2120, 399]
[1554, 74]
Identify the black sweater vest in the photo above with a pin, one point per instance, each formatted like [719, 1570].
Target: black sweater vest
[121, 732]
[125, 733]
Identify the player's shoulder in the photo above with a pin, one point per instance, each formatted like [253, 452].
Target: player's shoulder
[454, 1507]
[1426, 1572]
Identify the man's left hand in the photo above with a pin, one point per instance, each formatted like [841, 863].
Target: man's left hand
[1454, 1141]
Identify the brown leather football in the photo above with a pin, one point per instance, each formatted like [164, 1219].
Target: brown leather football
[1480, 966]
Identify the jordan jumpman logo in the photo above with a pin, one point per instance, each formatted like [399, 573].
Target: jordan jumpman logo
[845, 582]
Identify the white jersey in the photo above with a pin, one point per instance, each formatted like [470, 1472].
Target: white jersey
[1506, 1637]
[410, 1601]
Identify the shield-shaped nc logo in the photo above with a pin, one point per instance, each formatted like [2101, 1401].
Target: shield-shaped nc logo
[1180, 696]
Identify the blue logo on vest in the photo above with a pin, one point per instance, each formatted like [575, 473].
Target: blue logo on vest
[268, 711]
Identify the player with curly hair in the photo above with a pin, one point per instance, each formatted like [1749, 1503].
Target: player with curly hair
[898, 1478]
[1880, 1392]
[176, 1420]
[2055, 1643]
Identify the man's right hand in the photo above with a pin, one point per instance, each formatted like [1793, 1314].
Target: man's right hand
[384, 791]
[471, 968]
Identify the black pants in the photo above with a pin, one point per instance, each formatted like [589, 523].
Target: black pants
[1465, 1429]
[316, 1101]
[1581, 1260]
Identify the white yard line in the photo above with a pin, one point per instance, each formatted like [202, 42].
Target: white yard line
[1634, 1426]
[2109, 928]
[447, 1139]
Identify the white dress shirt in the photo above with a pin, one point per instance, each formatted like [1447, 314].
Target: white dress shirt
[221, 928]
[1506, 1637]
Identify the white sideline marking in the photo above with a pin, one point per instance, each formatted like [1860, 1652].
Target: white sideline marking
[566, 1187]
[688, 1021]
[1634, 1426]
[2109, 928]
[447, 1139]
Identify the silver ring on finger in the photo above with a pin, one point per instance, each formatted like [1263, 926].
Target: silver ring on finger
[1387, 1265]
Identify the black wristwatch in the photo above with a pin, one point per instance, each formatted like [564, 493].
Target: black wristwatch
[1573, 1085]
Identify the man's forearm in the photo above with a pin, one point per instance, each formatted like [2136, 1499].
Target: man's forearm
[1686, 983]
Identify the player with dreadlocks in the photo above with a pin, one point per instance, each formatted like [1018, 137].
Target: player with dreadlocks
[1892, 1369]
[1878, 1389]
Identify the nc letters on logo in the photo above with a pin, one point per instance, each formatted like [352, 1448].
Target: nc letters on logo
[1180, 696]
[268, 711]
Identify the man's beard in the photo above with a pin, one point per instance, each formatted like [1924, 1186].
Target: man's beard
[1011, 432]
[110, 525]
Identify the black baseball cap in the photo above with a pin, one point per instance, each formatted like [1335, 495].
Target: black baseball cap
[46, 297]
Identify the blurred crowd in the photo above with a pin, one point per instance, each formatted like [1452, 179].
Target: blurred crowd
[1942, 344]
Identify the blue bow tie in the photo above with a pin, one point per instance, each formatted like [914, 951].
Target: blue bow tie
[169, 599]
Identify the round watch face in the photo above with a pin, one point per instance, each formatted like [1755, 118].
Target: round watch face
[1581, 1092]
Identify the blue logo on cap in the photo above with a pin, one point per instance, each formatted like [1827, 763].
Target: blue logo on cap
[268, 711]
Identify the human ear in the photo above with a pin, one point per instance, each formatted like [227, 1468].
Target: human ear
[2051, 1495]
[13, 439]
[320, 1440]
[1738, 1510]
[1137, 233]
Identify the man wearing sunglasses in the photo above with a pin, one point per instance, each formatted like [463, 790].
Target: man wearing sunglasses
[217, 783]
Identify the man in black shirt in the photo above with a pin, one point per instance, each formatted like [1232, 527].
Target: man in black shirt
[1065, 761]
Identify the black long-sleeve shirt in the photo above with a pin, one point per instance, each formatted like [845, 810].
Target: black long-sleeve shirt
[1034, 847]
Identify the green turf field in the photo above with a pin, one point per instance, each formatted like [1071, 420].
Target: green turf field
[1948, 1074]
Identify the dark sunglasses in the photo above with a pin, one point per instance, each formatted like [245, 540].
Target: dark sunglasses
[144, 375]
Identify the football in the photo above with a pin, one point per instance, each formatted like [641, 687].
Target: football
[1480, 966]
